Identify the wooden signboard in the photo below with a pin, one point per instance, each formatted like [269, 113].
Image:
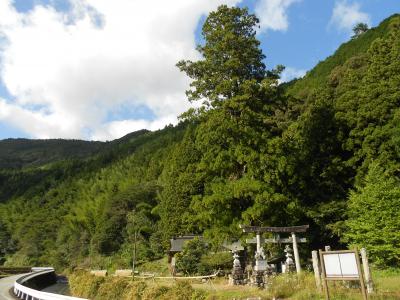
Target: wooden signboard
[341, 265]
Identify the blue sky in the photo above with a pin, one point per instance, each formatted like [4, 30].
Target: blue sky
[310, 37]
[62, 75]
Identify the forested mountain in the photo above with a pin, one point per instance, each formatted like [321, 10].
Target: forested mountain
[25, 153]
[322, 150]
[21, 153]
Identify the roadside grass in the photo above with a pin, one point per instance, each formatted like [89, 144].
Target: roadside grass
[386, 283]
[82, 284]
[158, 267]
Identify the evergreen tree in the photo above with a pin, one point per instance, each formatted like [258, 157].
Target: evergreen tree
[374, 217]
[359, 29]
[231, 57]
[189, 260]
[239, 100]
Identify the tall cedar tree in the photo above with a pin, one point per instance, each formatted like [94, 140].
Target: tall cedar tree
[239, 98]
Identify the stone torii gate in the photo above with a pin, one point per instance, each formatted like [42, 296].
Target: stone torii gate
[293, 239]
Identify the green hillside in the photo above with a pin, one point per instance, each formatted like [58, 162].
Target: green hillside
[318, 76]
[20, 153]
[29, 166]
[68, 195]
[249, 154]
[25, 153]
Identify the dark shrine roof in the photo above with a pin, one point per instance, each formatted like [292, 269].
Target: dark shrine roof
[178, 242]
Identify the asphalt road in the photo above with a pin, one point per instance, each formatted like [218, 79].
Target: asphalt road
[5, 285]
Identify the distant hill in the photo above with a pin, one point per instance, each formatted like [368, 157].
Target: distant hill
[30, 166]
[22, 153]
[19, 153]
[129, 137]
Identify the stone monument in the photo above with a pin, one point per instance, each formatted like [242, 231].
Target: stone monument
[260, 268]
[289, 263]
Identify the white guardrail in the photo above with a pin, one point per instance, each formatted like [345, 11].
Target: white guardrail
[23, 292]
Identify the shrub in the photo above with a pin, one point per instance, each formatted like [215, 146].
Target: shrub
[155, 292]
[183, 290]
[188, 261]
[217, 261]
[82, 284]
[135, 290]
[112, 288]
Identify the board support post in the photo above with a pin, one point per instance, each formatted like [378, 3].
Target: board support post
[367, 272]
[317, 271]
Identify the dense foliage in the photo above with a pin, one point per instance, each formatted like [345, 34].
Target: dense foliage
[254, 151]
[374, 216]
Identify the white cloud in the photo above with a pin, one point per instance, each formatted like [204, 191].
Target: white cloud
[273, 14]
[38, 122]
[119, 128]
[346, 15]
[291, 73]
[79, 65]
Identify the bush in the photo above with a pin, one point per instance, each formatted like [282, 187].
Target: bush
[82, 284]
[155, 292]
[189, 260]
[112, 288]
[135, 290]
[217, 261]
[183, 290]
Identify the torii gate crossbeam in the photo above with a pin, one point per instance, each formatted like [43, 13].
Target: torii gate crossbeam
[290, 229]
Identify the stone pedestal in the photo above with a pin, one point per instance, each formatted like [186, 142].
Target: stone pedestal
[259, 271]
[257, 279]
[237, 276]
